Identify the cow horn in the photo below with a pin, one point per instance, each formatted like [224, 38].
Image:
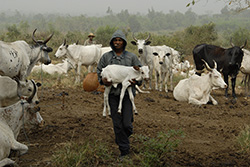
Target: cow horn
[64, 42]
[207, 66]
[215, 65]
[18, 87]
[231, 42]
[244, 44]
[134, 37]
[148, 37]
[33, 36]
[29, 100]
[47, 40]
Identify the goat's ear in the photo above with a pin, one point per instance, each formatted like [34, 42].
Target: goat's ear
[136, 68]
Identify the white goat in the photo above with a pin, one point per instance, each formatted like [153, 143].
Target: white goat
[122, 74]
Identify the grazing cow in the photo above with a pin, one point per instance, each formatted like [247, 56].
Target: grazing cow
[196, 89]
[60, 68]
[11, 91]
[79, 55]
[122, 74]
[11, 120]
[245, 69]
[18, 58]
[145, 55]
[228, 61]
[163, 66]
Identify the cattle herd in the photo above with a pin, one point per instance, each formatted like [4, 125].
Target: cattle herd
[18, 96]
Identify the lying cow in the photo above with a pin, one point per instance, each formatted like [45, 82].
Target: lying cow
[122, 74]
[196, 89]
[60, 68]
[11, 91]
[12, 119]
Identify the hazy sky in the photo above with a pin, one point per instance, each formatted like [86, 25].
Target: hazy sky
[99, 7]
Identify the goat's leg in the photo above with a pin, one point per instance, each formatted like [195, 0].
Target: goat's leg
[132, 99]
[124, 87]
[106, 101]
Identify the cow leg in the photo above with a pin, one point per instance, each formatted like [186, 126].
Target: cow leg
[160, 80]
[156, 80]
[20, 147]
[214, 102]
[226, 81]
[132, 99]
[78, 73]
[150, 78]
[165, 80]
[6, 161]
[106, 101]
[233, 81]
[171, 79]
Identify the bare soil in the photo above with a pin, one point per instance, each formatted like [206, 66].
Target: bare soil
[210, 131]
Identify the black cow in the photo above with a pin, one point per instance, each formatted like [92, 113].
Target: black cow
[228, 61]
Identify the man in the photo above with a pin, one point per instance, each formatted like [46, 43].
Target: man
[90, 40]
[122, 123]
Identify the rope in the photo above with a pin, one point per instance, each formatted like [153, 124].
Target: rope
[25, 134]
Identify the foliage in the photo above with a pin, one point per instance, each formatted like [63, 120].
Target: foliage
[155, 151]
[243, 140]
[90, 153]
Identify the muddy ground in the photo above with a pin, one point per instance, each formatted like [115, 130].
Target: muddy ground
[210, 131]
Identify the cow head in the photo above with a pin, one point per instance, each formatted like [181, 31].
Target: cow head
[33, 97]
[237, 54]
[44, 56]
[163, 53]
[62, 50]
[216, 78]
[141, 43]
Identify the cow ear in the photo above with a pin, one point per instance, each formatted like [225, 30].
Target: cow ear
[133, 42]
[136, 68]
[156, 54]
[148, 42]
[67, 46]
[38, 84]
[168, 54]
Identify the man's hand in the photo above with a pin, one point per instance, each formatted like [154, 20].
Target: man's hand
[132, 81]
[106, 82]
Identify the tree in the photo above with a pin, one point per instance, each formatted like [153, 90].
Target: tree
[240, 4]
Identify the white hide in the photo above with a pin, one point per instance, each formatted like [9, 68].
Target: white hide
[163, 67]
[9, 89]
[18, 58]
[145, 56]
[60, 68]
[245, 69]
[122, 74]
[80, 55]
[11, 121]
[196, 89]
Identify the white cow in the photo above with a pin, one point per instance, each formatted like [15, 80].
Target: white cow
[182, 68]
[245, 69]
[122, 74]
[163, 61]
[11, 91]
[11, 121]
[79, 55]
[18, 58]
[196, 89]
[145, 55]
[60, 68]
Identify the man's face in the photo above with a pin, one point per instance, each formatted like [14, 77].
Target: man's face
[118, 43]
[91, 38]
